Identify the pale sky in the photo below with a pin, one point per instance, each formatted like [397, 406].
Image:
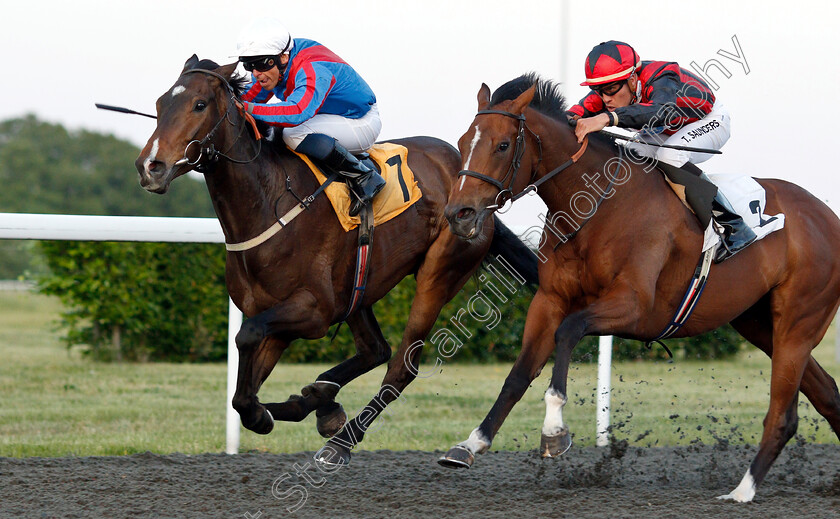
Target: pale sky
[426, 60]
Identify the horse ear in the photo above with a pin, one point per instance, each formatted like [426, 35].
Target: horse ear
[483, 97]
[190, 63]
[226, 71]
[524, 99]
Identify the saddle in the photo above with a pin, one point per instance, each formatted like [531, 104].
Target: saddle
[400, 192]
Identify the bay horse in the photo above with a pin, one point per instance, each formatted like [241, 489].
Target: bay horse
[299, 282]
[617, 254]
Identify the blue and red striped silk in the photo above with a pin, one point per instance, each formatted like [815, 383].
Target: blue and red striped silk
[315, 81]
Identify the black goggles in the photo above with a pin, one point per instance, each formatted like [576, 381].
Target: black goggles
[609, 89]
[261, 64]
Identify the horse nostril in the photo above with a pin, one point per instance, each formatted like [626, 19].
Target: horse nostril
[465, 213]
[155, 166]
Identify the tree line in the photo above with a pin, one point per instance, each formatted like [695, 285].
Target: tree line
[152, 301]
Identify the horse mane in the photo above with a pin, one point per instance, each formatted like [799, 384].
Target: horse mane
[238, 83]
[548, 100]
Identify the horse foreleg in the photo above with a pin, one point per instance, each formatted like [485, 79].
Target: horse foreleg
[255, 364]
[621, 309]
[371, 350]
[438, 280]
[537, 345]
[261, 341]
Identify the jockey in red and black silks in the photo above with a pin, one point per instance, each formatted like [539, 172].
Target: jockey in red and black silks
[660, 84]
[667, 105]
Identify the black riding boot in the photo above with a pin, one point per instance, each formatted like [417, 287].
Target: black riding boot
[707, 202]
[736, 233]
[699, 190]
[364, 182]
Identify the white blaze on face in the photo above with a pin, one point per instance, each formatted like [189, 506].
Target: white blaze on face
[745, 492]
[177, 90]
[554, 402]
[152, 156]
[469, 156]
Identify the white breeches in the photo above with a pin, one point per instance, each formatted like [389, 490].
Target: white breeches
[711, 131]
[357, 135]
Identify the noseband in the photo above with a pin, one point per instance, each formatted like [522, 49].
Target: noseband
[506, 193]
[207, 152]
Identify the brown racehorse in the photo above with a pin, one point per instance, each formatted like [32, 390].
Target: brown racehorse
[299, 282]
[626, 262]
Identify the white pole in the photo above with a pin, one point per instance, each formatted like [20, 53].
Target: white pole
[564, 47]
[25, 226]
[602, 415]
[232, 418]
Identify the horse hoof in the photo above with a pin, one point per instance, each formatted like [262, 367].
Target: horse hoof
[457, 458]
[264, 424]
[331, 418]
[553, 446]
[324, 391]
[332, 455]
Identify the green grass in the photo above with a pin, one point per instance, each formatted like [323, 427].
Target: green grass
[56, 403]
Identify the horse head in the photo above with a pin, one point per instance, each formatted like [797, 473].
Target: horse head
[496, 162]
[188, 117]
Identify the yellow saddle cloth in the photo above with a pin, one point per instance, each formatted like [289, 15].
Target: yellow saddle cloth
[400, 192]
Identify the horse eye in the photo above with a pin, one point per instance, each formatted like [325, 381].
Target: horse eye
[503, 146]
[199, 106]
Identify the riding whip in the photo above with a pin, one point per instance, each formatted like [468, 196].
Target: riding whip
[573, 123]
[122, 110]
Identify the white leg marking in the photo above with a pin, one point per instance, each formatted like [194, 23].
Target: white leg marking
[177, 90]
[745, 492]
[152, 155]
[477, 443]
[554, 402]
[469, 156]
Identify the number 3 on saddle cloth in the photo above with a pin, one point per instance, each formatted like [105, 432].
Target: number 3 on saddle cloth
[400, 192]
[748, 199]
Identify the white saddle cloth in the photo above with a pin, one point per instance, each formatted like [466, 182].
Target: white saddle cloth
[749, 201]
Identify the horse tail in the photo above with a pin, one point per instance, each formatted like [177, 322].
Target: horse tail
[514, 251]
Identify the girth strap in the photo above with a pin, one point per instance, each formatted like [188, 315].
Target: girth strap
[362, 259]
[691, 297]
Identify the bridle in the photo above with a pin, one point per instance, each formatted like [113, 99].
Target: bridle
[506, 193]
[207, 152]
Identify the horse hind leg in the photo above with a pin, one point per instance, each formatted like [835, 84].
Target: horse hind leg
[821, 390]
[756, 326]
[793, 337]
[372, 350]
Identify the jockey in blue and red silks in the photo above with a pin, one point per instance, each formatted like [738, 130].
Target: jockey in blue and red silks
[670, 105]
[324, 107]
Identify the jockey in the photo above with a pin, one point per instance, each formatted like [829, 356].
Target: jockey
[325, 109]
[669, 105]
